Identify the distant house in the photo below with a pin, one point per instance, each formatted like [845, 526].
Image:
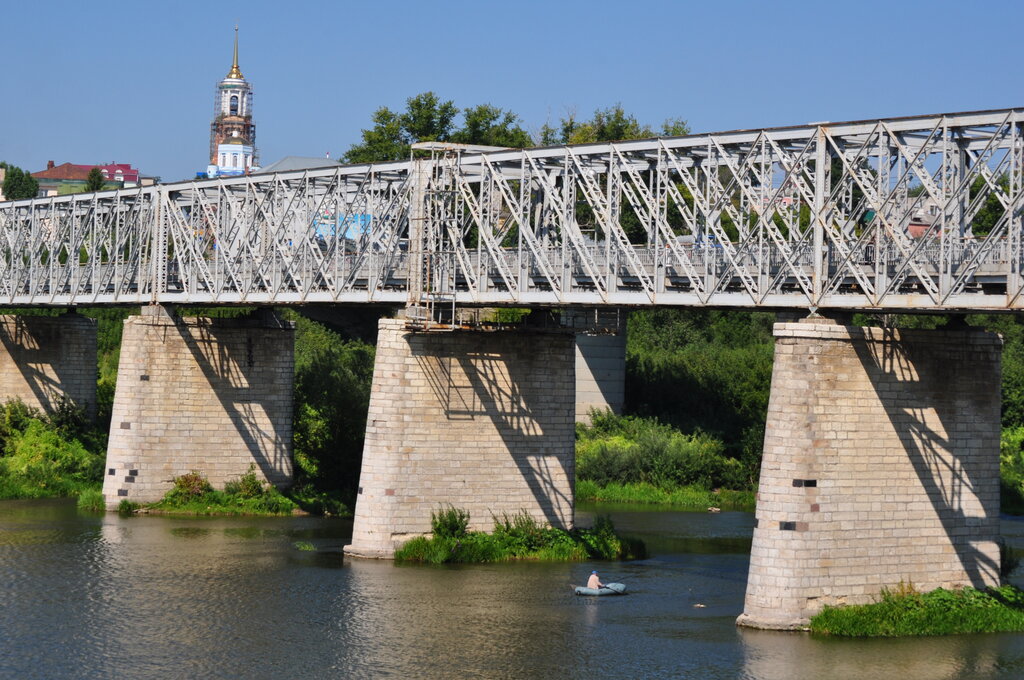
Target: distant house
[70, 177]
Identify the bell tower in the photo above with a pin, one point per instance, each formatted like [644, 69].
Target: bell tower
[232, 132]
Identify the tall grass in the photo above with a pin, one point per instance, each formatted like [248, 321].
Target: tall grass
[515, 537]
[905, 612]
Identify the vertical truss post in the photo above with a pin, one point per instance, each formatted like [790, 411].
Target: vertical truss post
[418, 234]
[158, 246]
[820, 188]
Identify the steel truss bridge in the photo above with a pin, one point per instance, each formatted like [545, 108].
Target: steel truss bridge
[919, 213]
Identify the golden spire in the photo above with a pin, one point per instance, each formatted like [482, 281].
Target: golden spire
[234, 72]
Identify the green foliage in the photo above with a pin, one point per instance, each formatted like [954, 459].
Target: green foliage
[1011, 469]
[606, 125]
[192, 494]
[426, 118]
[904, 612]
[450, 522]
[686, 497]
[95, 181]
[304, 546]
[703, 370]
[18, 183]
[628, 449]
[490, 126]
[91, 500]
[188, 487]
[332, 396]
[127, 508]
[42, 457]
[248, 485]
[515, 538]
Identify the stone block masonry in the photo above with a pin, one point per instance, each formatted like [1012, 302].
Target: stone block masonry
[479, 420]
[47, 359]
[210, 395]
[881, 465]
[600, 373]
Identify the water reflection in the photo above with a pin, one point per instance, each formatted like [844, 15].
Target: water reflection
[158, 597]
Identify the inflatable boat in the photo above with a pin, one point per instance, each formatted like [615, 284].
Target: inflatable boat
[608, 589]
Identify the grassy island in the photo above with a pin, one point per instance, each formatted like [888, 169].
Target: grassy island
[904, 611]
[519, 537]
[192, 494]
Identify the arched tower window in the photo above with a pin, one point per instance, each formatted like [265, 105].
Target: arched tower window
[234, 105]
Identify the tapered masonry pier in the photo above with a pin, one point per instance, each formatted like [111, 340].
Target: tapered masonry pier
[48, 360]
[482, 421]
[881, 465]
[196, 394]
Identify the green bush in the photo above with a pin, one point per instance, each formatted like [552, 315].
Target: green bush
[188, 487]
[904, 611]
[248, 485]
[449, 522]
[127, 508]
[628, 449]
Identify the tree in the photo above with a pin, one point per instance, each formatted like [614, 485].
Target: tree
[18, 184]
[95, 181]
[426, 118]
[490, 126]
[607, 125]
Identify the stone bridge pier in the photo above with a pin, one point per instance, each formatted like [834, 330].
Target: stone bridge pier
[482, 421]
[209, 395]
[46, 360]
[881, 465]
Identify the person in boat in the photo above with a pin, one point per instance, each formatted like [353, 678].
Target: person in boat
[594, 582]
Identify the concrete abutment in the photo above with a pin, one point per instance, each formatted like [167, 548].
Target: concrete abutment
[881, 466]
[194, 394]
[482, 421]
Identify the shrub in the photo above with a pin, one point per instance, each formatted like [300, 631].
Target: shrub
[449, 522]
[126, 508]
[189, 487]
[248, 485]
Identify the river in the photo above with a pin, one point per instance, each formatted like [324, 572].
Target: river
[103, 596]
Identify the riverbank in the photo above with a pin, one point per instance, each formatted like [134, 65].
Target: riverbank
[679, 498]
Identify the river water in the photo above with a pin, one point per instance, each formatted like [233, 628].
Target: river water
[101, 596]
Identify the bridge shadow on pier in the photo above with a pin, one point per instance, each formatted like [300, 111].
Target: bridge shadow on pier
[498, 384]
[42, 349]
[241, 367]
[934, 398]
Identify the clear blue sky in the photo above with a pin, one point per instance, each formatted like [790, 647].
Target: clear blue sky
[90, 83]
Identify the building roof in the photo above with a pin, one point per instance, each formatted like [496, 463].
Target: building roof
[289, 163]
[76, 172]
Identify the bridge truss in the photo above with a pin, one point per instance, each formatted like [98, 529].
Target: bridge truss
[920, 213]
